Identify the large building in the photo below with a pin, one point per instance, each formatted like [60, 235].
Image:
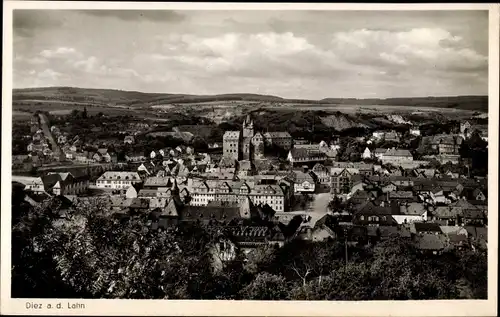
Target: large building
[280, 139]
[396, 157]
[447, 144]
[275, 195]
[118, 180]
[342, 179]
[248, 144]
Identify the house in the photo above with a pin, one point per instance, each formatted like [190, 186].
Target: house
[97, 157]
[104, 155]
[478, 237]
[322, 173]
[245, 168]
[65, 183]
[367, 154]
[322, 233]
[426, 172]
[389, 187]
[147, 167]
[446, 144]
[396, 157]
[425, 228]
[132, 192]
[33, 184]
[410, 212]
[378, 135]
[371, 215]
[401, 196]
[158, 182]
[129, 139]
[391, 137]
[431, 243]
[135, 157]
[357, 185]
[139, 205]
[279, 139]
[415, 131]
[215, 212]
[342, 179]
[118, 180]
[304, 155]
[147, 193]
[303, 182]
[202, 191]
[378, 153]
[473, 194]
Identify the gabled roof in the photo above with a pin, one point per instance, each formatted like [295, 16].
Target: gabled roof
[430, 242]
[370, 209]
[231, 135]
[426, 227]
[412, 209]
[113, 175]
[139, 203]
[398, 152]
[277, 134]
[221, 212]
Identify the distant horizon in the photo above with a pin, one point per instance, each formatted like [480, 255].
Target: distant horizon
[303, 54]
[248, 93]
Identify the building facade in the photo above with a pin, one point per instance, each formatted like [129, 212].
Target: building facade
[118, 180]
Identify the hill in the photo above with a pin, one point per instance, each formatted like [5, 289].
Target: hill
[135, 99]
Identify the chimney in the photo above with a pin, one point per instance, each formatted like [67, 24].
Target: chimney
[305, 168]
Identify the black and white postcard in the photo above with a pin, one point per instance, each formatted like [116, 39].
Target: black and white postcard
[249, 159]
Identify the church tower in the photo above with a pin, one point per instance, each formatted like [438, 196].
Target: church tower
[248, 127]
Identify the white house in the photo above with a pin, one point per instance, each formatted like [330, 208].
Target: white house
[367, 154]
[378, 135]
[411, 212]
[118, 180]
[415, 131]
[34, 184]
[304, 183]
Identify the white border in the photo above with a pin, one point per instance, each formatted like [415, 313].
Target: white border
[253, 308]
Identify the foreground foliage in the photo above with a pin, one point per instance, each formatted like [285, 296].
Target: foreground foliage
[85, 252]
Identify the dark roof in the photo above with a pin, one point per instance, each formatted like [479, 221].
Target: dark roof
[249, 233]
[139, 203]
[426, 227]
[477, 232]
[371, 209]
[222, 213]
[430, 242]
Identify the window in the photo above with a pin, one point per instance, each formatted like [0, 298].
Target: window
[361, 217]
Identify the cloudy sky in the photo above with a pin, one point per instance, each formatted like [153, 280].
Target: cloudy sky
[295, 54]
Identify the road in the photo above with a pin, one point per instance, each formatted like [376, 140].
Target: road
[315, 209]
[44, 121]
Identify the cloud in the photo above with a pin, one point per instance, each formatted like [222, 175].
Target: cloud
[49, 74]
[58, 52]
[293, 54]
[26, 22]
[138, 15]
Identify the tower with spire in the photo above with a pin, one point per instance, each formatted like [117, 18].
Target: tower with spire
[248, 127]
[248, 132]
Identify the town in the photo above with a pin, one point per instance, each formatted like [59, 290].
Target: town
[266, 189]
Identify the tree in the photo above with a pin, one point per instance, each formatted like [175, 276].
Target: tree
[266, 286]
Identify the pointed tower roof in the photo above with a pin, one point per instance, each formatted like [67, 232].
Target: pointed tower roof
[248, 120]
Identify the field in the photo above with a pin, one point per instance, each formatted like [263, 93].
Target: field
[220, 108]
